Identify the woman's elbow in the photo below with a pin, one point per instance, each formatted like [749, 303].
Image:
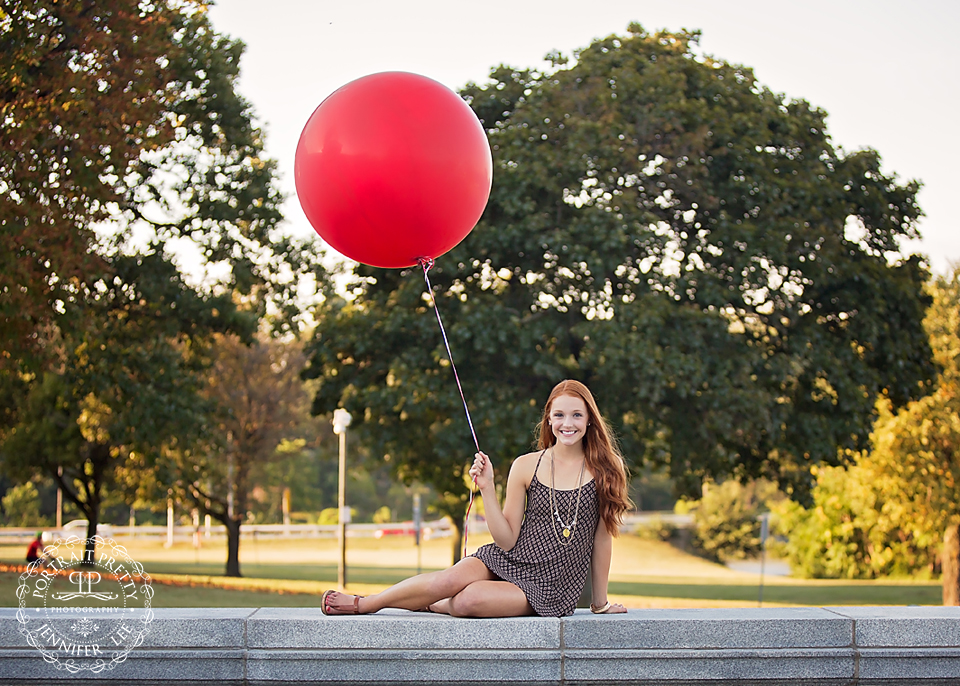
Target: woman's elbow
[506, 543]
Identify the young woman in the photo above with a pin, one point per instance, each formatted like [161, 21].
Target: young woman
[563, 506]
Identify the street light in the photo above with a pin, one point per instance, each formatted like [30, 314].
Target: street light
[341, 420]
[764, 534]
[417, 524]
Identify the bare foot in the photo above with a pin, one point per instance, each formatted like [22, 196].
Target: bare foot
[440, 607]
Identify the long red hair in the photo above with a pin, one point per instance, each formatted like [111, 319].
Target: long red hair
[600, 449]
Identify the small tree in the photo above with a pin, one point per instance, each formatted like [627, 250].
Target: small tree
[916, 450]
[257, 401]
[125, 385]
[895, 510]
[21, 506]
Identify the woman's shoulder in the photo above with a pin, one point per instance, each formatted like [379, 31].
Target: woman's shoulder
[528, 459]
[525, 465]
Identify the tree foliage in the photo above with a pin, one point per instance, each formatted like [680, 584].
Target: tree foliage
[726, 520]
[121, 114]
[211, 189]
[124, 117]
[669, 231]
[891, 512]
[77, 108]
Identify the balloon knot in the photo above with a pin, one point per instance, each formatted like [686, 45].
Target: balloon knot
[426, 263]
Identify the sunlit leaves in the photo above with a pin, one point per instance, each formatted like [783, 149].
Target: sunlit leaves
[888, 512]
[123, 118]
[77, 108]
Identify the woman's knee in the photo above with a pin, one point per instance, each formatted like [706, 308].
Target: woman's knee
[490, 599]
[466, 603]
[443, 583]
[453, 580]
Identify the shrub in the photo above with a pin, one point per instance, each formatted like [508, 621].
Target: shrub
[22, 506]
[331, 515]
[656, 530]
[852, 531]
[726, 520]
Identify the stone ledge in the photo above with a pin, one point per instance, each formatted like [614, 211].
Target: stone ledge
[295, 646]
[896, 627]
[807, 627]
[397, 629]
[404, 666]
[26, 666]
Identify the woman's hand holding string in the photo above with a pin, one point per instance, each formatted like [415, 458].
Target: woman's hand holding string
[482, 471]
[504, 533]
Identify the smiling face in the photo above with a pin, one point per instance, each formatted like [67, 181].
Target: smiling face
[568, 419]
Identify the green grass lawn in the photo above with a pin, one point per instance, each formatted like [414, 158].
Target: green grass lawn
[776, 592]
[294, 572]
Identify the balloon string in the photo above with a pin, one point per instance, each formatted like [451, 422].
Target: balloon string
[426, 264]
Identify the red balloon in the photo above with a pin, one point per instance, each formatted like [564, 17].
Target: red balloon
[393, 168]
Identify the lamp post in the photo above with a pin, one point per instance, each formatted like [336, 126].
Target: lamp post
[764, 534]
[417, 525]
[341, 420]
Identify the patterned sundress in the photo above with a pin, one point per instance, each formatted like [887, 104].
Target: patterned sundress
[551, 575]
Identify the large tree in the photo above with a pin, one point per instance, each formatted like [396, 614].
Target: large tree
[85, 90]
[668, 230]
[126, 383]
[191, 172]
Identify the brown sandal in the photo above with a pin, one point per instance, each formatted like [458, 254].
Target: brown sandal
[323, 605]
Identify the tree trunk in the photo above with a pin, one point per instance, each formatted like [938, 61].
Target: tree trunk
[457, 542]
[90, 548]
[233, 546]
[89, 507]
[950, 559]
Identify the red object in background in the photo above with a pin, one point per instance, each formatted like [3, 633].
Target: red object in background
[393, 168]
[405, 529]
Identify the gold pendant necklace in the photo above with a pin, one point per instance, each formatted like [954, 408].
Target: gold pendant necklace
[566, 530]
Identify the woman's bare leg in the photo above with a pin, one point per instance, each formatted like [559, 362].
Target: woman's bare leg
[487, 598]
[417, 592]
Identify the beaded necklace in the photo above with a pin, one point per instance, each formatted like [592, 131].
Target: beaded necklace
[566, 530]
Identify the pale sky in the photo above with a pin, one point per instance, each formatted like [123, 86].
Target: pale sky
[887, 72]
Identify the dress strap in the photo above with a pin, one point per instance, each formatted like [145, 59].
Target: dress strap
[537, 468]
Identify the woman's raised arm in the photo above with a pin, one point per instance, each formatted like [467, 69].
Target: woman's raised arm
[503, 523]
